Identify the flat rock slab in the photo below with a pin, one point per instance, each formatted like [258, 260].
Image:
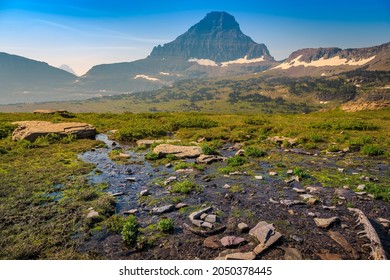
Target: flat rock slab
[325, 223]
[163, 209]
[265, 234]
[31, 130]
[178, 151]
[340, 239]
[196, 215]
[231, 241]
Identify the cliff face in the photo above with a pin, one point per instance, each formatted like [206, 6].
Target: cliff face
[216, 37]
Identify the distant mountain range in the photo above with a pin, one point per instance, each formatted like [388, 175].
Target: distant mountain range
[214, 47]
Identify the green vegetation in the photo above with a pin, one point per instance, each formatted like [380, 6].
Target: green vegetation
[372, 150]
[166, 224]
[236, 161]
[183, 187]
[297, 171]
[152, 156]
[254, 152]
[130, 230]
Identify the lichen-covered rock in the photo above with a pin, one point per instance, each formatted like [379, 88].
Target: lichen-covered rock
[31, 130]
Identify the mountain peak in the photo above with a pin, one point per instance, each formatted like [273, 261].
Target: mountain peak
[216, 22]
[216, 37]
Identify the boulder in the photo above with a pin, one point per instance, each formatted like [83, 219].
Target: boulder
[31, 130]
[178, 151]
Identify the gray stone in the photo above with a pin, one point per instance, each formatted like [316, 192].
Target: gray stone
[178, 151]
[211, 218]
[203, 216]
[265, 234]
[207, 159]
[163, 209]
[197, 223]
[241, 256]
[289, 202]
[197, 214]
[169, 165]
[272, 173]
[289, 172]
[326, 222]
[131, 211]
[243, 227]
[207, 225]
[240, 153]
[170, 180]
[230, 241]
[226, 186]
[258, 177]
[130, 179]
[296, 238]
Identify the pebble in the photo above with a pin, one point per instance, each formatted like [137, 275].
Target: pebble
[226, 186]
[207, 225]
[272, 173]
[296, 238]
[229, 241]
[326, 222]
[259, 177]
[144, 192]
[289, 172]
[212, 242]
[180, 205]
[243, 227]
[361, 187]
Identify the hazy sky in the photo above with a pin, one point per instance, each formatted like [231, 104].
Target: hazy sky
[84, 33]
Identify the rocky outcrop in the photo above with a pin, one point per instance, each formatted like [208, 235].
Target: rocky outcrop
[31, 130]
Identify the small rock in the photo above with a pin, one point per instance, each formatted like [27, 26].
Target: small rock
[341, 170]
[207, 225]
[203, 216]
[298, 190]
[130, 179]
[296, 238]
[180, 205]
[170, 180]
[243, 227]
[289, 172]
[144, 192]
[197, 223]
[226, 186]
[311, 214]
[92, 214]
[207, 159]
[329, 207]
[346, 187]
[311, 201]
[326, 222]
[211, 218]
[258, 177]
[360, 193]
[289, 202]
[230, 241]
[240, 153]
[131, 211]
[384, 222]
[169, 165]
[361, 187]
[291, 212]
[272, 173]
[197, 214]
[273, 201]
[123, 155]
[241, 256]
[163, 209]
[212, 242]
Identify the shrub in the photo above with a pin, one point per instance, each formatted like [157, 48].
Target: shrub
[207, 149]
[6, 130]
[166, 225]
[115, 223]
[300, 173]
[184, 187]
[315, 138]
[372, 150]
[254, 152]
[130, 230]
[236, 161]
[152, 156]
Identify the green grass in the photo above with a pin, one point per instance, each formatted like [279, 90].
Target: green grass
[130, 230]
[372, 150]
[236, 161]
[183, 187]
[166, 225]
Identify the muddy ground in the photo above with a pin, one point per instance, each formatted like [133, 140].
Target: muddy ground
[248, 200]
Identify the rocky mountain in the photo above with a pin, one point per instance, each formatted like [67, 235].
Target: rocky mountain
[330, 61]
[217, 37]
[21, 78]
[213, 47]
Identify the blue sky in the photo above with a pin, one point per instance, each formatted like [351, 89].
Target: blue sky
[85, 33]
